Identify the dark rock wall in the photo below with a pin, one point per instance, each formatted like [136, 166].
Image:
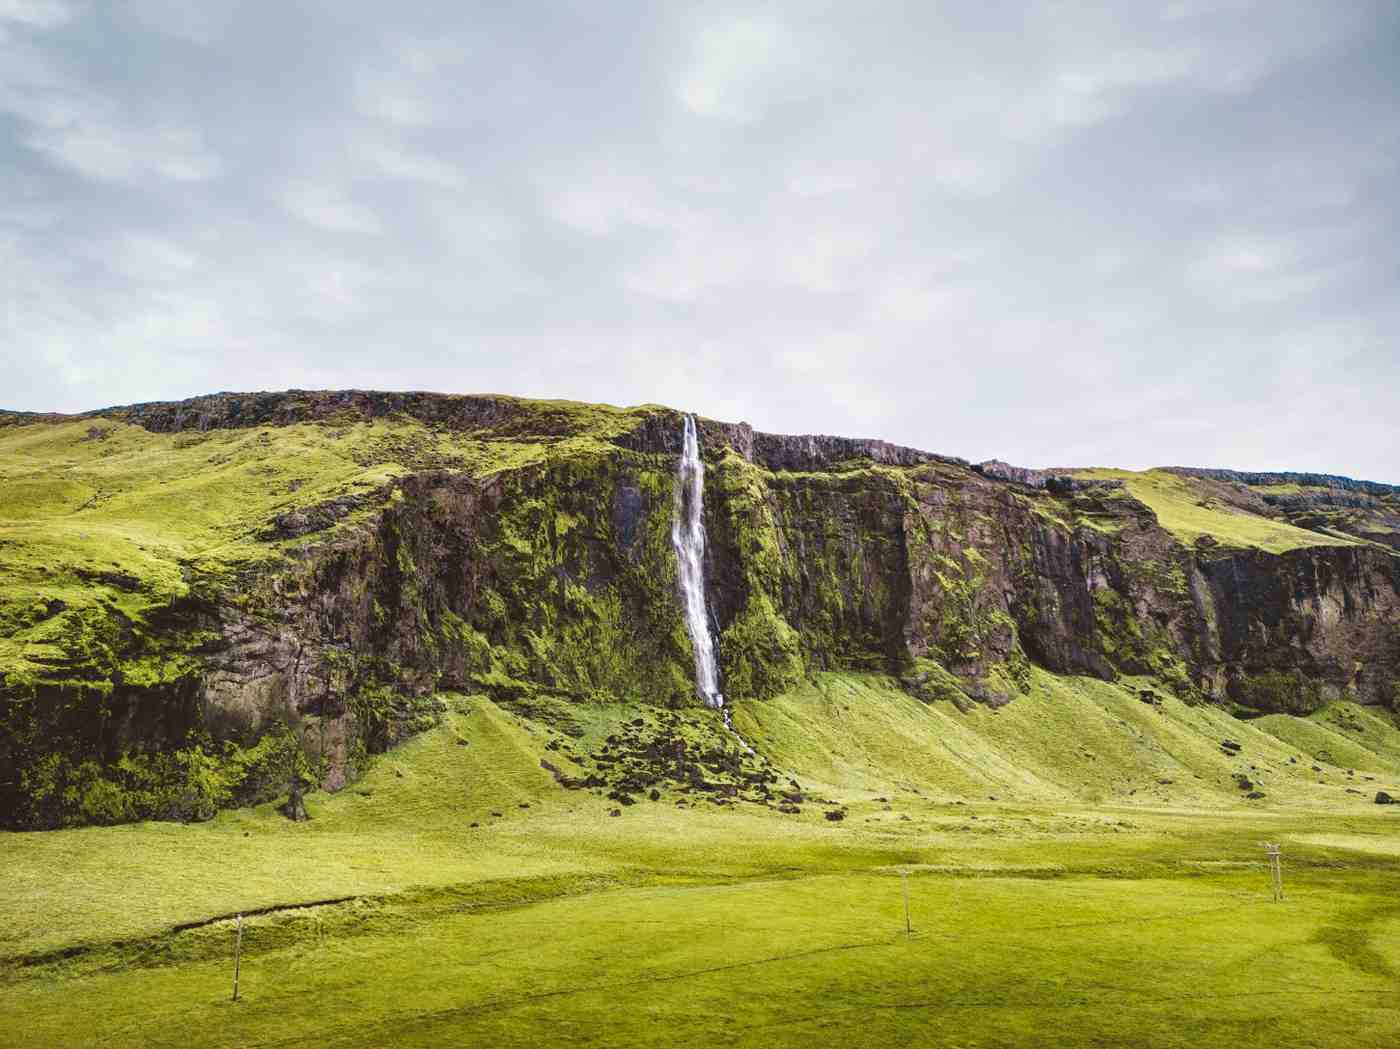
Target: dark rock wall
[550, 581]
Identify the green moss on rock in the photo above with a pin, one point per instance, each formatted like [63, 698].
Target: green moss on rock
[1279, 692]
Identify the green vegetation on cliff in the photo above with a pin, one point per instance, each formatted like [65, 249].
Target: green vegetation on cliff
[100, 514]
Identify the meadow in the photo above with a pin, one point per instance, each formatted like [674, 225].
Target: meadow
[1060, 893]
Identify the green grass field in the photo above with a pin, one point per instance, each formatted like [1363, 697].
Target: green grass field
[1083, 869]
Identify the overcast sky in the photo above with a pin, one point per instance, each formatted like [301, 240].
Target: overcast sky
[1056, 233]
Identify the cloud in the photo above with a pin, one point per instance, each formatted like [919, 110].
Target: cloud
[74, 125]
[384, 158]
[38, 14]
[328, 207]
[201, 23]
[731, 61]
[107, 151]
[1096, 233]
[147, 258]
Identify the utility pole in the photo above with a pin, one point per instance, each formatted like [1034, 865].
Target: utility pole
[237, 956]
[904, 880]
[1271, 849]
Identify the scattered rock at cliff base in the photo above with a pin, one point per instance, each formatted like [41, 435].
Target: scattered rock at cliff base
[295, 807]
[641, 759]
[1382, 798]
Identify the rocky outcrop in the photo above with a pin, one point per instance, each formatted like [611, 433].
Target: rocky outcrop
[815, 452]
[221, 411]
[318, 517]
[1252, 479]
[658, 433]
[1040, 479]
[1329, 615]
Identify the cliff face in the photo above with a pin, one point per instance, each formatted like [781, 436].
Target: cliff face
[941, 562]
[532, 560]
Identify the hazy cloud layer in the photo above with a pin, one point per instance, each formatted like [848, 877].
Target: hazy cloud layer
[1056, 233]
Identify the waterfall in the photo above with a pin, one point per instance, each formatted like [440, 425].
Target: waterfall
[688, 537]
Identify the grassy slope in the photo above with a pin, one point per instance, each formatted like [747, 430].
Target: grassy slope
[1177, 504]
[1072, 738]
[1068, 909]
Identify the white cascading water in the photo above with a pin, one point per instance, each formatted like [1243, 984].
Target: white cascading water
[688, 537]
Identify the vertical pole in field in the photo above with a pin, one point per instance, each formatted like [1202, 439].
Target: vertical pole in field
[908, 926]
[237, 956]
[1275, 868]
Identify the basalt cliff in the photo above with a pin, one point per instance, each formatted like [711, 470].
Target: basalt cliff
[202, 600]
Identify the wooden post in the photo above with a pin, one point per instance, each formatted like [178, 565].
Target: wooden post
[904, 880]
[1275, 868]
[237, 956]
